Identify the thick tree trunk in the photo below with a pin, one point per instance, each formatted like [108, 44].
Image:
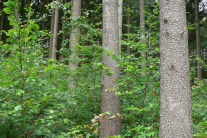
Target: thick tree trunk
[74, 40]
[54, 43]
[198, 42]
[142, 27]
[175, 110]
[128, 25]
[120, 15]
[109, 100]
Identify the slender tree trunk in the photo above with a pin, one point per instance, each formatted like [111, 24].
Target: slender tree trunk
[43, 22]
[52, 33]
[198, 42]
[128, 25]
[63, 36]
[142, 27]
[83, 33]
[110, 124]
[74, 40]
[16, 9]
[54, 43]
[120, 15]
[175, 110]
[15, 14]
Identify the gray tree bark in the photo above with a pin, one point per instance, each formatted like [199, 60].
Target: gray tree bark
[54, 41]
[110, 124]
[120, 17]
[74, 40]
[142, 27]
[198, 42]
[175, 108]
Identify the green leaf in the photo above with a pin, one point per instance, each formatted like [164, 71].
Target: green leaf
[20, 92]
[204, 135]
[18, 107]
[34, 27]
[8, 10]
[108, 113]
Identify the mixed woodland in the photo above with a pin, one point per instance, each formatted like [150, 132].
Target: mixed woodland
[100, 68]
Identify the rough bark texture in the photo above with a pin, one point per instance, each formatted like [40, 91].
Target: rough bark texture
[175, 110]
[120, 15]
[109, 100]
[74, 40]
[54, 43]
[198, 42]
[142, 27]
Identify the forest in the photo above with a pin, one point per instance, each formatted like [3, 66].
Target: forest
[103, 68]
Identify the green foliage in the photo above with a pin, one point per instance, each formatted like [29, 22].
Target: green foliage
[199, 98]
[35, 100]
[140, 94]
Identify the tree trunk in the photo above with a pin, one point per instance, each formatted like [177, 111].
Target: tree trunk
[52, 33]
[142, 39]
[175, 108]
[54, 43]
[120, 15]
[198, 42]
[109, 100]
[74, 40]
[128, 25]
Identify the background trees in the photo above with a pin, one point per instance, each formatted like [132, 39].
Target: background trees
[198, 41]
[34, 89]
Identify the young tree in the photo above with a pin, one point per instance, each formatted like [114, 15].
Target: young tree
[54, 42]
[74, 40]
[198, 42]
[52, 32]
[142, 27]
[16, 10]
[110, 102]
[175, 110]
